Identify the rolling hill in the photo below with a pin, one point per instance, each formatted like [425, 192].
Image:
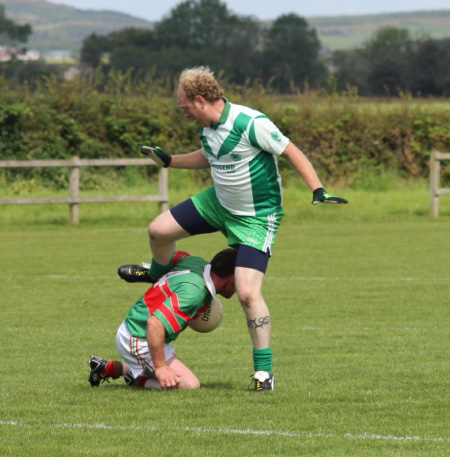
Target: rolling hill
[57, 26]
[345, 32]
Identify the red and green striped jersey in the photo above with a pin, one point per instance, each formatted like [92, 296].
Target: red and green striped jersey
[175, 299]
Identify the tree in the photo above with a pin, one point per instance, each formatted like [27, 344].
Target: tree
[388, 56]
[197, 32]
[94, 46]
[425, 63]
[351, 70]
[443, 73]
[430, 67]
[291, 54]
[15, 71]
[206, 32]
[132, 48]
[194, 24]
[212, 35]
[11, 33]
[384, 66]
[127, 48]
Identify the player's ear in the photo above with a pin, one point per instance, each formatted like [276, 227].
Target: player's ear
[200, 100]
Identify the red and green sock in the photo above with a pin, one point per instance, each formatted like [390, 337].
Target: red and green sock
[113, 369]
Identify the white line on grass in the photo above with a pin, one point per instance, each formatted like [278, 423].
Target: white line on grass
[153, 428]
[328, 278]
[368, 329]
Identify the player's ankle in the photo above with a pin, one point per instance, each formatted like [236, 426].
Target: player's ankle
[113, 369]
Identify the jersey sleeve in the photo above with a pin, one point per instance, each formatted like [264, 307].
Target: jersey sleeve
[265, 135]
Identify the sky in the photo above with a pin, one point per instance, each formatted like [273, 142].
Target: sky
[155, 10]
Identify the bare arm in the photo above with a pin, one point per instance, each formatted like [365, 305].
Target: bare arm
[156, 332]
[302, 166]
[192, 160]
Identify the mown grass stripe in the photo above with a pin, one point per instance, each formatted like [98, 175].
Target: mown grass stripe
[351, 436]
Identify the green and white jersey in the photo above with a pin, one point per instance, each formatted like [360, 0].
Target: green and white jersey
[242, 150]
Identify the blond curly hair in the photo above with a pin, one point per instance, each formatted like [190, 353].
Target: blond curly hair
[200, 81]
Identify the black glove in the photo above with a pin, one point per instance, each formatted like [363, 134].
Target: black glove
[320, 195]
[160, 157]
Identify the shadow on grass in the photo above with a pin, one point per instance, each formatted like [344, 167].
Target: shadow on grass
[206, 385]
[218, 385]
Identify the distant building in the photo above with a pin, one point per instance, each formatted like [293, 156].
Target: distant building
[6, 54]
[29, 55]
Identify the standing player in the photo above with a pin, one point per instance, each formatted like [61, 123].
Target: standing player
[157, 318]
[241, 146]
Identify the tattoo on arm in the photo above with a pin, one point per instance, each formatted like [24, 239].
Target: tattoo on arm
[262, 322]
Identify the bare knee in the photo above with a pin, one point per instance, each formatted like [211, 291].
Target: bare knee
[188, 380]
[155, 230]
[191, 383]
[165, 229]
[249, 294]
[248, 297]
[160, 229]
[244, 298]
[249, 288]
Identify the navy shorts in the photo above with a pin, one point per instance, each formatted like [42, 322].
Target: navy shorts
[190, 220]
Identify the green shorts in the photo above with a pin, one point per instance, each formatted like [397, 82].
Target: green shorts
[258, 232]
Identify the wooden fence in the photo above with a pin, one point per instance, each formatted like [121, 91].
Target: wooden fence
[435, 190]
[74, 199]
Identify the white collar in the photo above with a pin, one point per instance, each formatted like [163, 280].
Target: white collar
[208, 280]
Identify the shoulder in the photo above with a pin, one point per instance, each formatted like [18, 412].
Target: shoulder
[193, 267]
[190, 260]
[245, 110]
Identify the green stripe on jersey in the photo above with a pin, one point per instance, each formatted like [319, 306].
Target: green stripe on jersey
[224, 115]
[266, 187]
[235, 135]
[252, 134]
[205, 145]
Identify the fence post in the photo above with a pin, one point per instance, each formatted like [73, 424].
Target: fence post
[435, 169]
[163, 183]
[74, 191]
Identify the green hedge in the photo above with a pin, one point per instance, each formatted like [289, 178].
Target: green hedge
[343, 135]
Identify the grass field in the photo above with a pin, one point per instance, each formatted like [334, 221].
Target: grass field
[359, 297]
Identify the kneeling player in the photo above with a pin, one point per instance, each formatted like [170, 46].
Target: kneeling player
[157, 318]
